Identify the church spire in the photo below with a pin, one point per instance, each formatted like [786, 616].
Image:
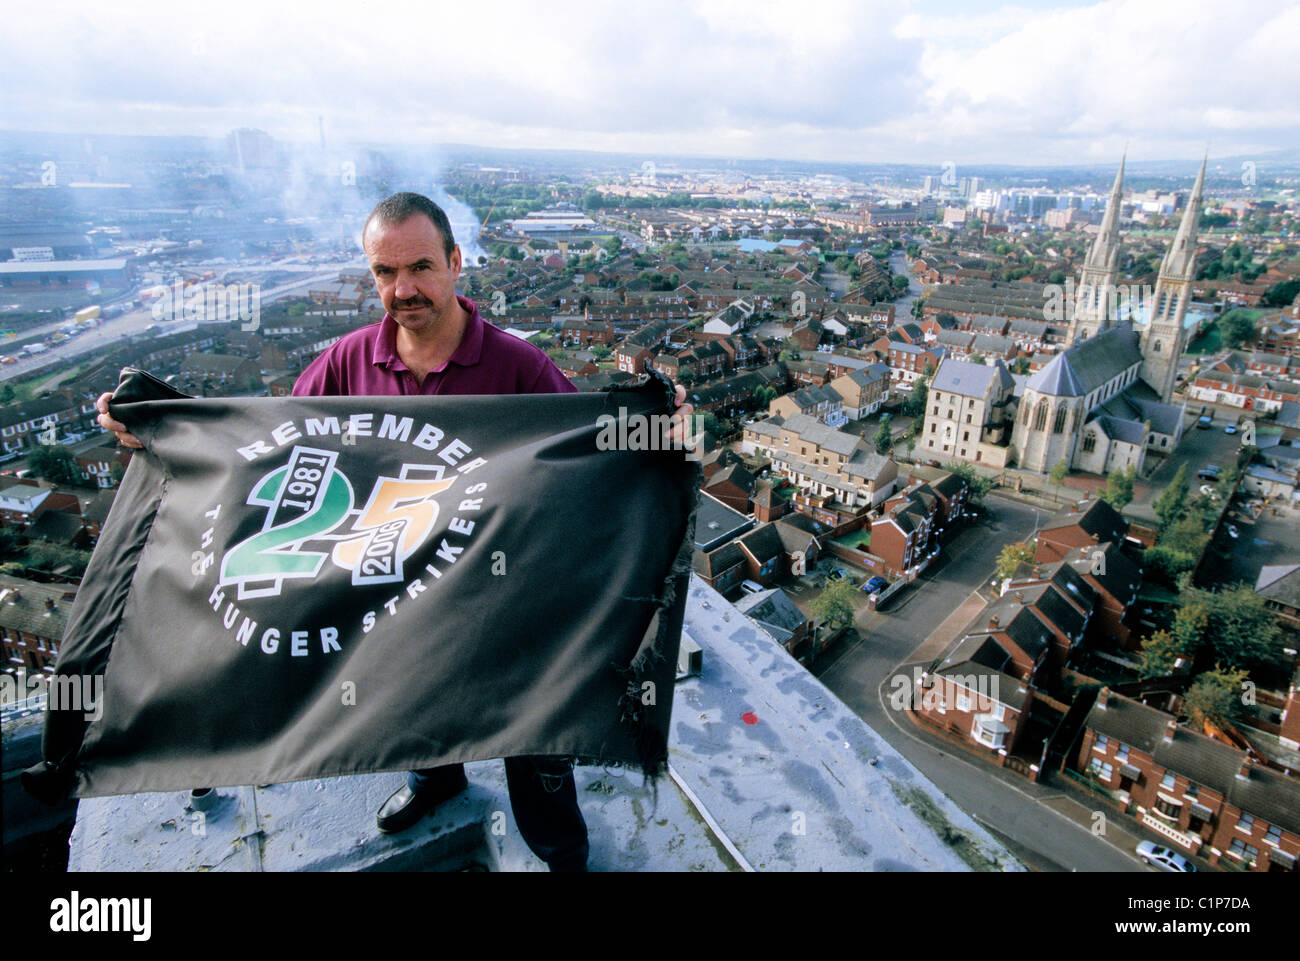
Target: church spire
[1180, 259]
[1105, 247]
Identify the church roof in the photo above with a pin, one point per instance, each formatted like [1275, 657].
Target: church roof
[1128, 431]
[1057, 379]
[1087, 365]
[1138, 402]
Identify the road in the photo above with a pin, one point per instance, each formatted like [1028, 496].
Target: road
[104, 336]
[903, 306]
[1044, 828]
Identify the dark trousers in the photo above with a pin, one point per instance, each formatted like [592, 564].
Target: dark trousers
[544, 798]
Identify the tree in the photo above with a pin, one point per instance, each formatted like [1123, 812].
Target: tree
[1231, 626]
[1187, 536]
[765, 395]
[1166, 565]
[1172, 504]
[1215, 696]
[884, 439]
[1060, 470]
[1160, 652]
[7, 394]
[1281, 294]
[1119, 487]
[55, 463]
[1236, 328]
[900, 284]
[1011, 557]
[834, 606]
[978, 486]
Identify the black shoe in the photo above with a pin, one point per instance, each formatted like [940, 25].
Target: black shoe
[405, 807]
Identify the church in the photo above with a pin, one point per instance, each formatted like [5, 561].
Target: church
[1104, 402]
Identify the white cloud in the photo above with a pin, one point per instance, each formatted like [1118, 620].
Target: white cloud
[819, 80]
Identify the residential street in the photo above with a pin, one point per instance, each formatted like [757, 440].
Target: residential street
[1048, 829]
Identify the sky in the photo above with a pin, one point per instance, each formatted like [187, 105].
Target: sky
[927, 82]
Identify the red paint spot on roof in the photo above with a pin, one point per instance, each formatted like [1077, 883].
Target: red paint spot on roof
[749, 717]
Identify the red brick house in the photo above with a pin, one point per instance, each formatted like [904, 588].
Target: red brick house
[1202, 795]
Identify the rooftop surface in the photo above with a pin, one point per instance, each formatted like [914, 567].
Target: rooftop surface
[769, 771]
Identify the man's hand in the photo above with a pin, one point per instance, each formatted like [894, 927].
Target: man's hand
[679, 427]
[107, 421]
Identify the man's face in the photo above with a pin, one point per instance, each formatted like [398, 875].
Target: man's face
[416, 280]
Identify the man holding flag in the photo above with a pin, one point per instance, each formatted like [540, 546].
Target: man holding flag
[432, 341]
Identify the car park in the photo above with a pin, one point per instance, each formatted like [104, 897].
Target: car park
[1164, 858]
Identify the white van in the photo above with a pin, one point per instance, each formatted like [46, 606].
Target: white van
[751, 587]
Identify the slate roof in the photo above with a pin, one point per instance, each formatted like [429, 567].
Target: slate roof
[763, 543]
[1130, 432]
[57, 527]
[1086, 365]
[717, 561]
[1281, 583]
[866, 463]
[814, 431]
[1098, 518]
[774, 610]
[1118, 576]
[23, 607]
[970, 379]
[1138, 402]
[1266, 794]
[97, 508]
[734, 472]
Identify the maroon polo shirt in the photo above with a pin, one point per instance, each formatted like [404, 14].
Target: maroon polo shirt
[488, 361]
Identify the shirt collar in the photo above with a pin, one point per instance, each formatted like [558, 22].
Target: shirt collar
[467, 354]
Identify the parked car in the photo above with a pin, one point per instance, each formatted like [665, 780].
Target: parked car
[840, 574]
[1209, 472]
[752, 587]
[1164, 858]
[1230, 429]
[1204, 422]
[1232, 531]
[875, 585]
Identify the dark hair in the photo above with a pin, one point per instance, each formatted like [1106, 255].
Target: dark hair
[401, 207]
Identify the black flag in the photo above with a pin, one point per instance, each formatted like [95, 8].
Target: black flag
[308, 587]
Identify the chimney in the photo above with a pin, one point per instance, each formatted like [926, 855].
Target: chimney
[1244, 772]
[993, 622]
[49, 603]
[1020, 597]
[1171, 727]
[1095, 538]
[1103, 696]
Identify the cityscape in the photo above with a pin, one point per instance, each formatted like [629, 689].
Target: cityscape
[999, 450]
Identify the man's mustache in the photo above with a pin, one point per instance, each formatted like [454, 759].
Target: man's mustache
[408, 304]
